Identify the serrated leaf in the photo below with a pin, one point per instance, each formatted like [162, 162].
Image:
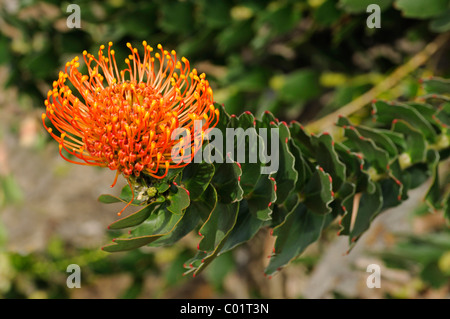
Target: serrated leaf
[196, 178]
[369, 207]
[318, 192]
[386, 113]
[415, 142]
[433, 195]
[197, 211]
[286, 175]
[373, 154]
[177, 200]
[226, 182]
[164, 184]
[375, 135]
[328, 159]
[247, 225]
[354, 169]
[248, 149]
[436, 85]
[260, 199]
[220, 222]
[221, 236]
[301, 166]
[300, 229]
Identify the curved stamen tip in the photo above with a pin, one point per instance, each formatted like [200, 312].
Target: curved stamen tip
[115, 179]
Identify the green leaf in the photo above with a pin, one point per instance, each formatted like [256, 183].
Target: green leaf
[386, 113]
[177, 17]
[301, 166]
[198, 210]
[441, 23]
[415, 142]
[433, 195]
[286, 175]
[327, 13]
[318, 192]
[164, 184]
[369, 207]
[328, 159]
[248, 150]
[137, 217]
[302, 85]
[226, 182]
[161, 222]
[436, 85]
[234, 36]
[376, 135]
[280, 20]
[355, 169]
[178, 200]
[196, 178]
[300, 229]
[216, 16]
[203, 259]
[220, 222]
[261, 198]
[247, 225]
[358, 6]
[372, 153]
[422, 9]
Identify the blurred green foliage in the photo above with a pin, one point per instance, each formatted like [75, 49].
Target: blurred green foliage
[298, 59]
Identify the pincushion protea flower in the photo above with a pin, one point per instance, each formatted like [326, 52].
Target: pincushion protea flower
[124, 119]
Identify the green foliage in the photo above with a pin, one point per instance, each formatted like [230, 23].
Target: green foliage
[427, 255]
[258, 54]
[318, 181]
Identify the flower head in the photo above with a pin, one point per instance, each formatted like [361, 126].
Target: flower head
[124, 119]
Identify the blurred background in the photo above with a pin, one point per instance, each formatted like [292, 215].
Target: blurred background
[299, 59]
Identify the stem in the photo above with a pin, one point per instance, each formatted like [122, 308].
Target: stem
[387, 84]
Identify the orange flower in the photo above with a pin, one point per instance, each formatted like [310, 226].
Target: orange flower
[124, 119]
